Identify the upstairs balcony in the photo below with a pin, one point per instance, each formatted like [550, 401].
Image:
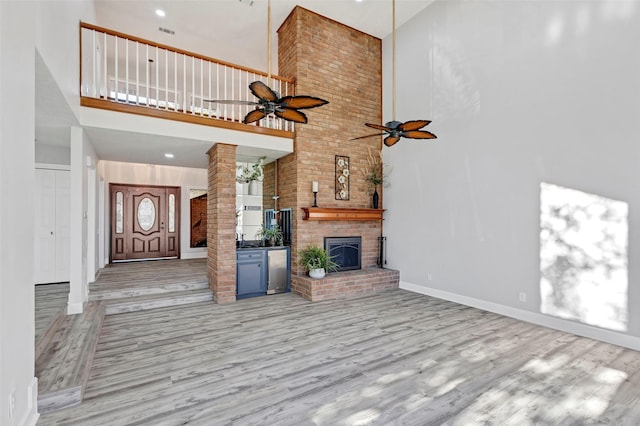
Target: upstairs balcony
[124, 73]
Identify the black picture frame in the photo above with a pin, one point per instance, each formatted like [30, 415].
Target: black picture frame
[342, 178]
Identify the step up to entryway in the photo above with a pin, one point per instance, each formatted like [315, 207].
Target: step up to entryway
[151, 295]
[153, 301]
[63, 365]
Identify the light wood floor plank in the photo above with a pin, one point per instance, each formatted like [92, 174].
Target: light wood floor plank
[395, 358]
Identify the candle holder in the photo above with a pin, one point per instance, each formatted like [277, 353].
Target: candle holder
[314, 188]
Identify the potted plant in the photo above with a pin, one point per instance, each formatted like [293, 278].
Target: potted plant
[251, 174]
[270, 236]
[374, 175]
[316, 260]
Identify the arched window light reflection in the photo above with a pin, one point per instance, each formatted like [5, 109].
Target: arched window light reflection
[583, 257]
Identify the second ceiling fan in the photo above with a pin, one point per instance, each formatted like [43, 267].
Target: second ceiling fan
[395, 130]
[269, 101]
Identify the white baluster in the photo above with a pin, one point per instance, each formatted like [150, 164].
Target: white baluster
[137, 73]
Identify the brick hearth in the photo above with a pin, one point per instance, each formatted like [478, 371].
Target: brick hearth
[345, 284]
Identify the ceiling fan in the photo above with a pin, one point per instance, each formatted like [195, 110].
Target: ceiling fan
[395, 130]
[269, 101]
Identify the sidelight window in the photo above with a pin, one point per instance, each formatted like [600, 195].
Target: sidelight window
[119, 213]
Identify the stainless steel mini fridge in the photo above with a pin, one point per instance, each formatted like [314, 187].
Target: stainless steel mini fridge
[278, 271]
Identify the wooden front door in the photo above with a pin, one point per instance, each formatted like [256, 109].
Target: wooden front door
[144, 222]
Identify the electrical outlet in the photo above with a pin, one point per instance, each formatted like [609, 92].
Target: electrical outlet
[429, 277]
[523, 297]
[12, 403]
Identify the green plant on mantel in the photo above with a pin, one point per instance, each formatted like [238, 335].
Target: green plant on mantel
[249, 173]
[314, 257]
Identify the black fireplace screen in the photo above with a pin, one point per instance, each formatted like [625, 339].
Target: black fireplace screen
[345, 251]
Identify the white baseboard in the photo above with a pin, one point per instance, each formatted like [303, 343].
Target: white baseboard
[583, 330]
[194, 255]
[75, 308]
[30, 418]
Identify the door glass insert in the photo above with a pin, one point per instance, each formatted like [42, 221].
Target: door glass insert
[119, 213]
[146, 214]
[172, 213]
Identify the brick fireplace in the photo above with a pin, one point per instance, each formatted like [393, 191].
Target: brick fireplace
[350, 78]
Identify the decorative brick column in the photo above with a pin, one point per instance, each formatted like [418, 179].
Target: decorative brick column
[221, 223]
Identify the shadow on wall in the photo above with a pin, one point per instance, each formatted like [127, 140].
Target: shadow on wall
[583, 257]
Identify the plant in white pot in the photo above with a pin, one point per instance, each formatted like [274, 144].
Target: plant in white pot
[316, 260]
[251, 174]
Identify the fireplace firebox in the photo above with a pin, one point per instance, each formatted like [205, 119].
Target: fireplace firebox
[345, 251]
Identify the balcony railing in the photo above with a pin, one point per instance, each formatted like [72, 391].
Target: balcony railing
[128, 70]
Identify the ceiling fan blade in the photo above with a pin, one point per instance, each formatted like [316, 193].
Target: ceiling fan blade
[229, 102]
[262, 91]
[378, 126]
[367, 136]
[419, 134]
[413, 125]
[291, 115]
[302, 102]
[255, 115]
[391, 140]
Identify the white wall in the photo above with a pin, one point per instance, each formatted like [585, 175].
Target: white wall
[149, 174]
[520, 93]
[51, 154]
[58, 26]
[17, 114]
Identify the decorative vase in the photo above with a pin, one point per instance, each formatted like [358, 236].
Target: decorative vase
[253, 187]
[317, 273]
[376, 198]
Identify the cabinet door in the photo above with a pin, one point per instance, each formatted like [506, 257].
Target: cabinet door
[251, 270]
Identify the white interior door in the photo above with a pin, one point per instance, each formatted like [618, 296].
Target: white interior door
[63, 231]
[52, 247]
[45, 193]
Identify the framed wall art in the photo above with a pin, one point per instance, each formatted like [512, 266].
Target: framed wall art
[342, 177]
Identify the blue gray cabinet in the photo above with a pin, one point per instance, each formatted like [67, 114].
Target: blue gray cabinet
[263, 270]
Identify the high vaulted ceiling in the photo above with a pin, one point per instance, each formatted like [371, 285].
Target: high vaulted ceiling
[231, 30]
[234, 30]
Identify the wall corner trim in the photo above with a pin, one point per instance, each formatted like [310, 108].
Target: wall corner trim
[583, 330]
[75, 308]
[31, 416]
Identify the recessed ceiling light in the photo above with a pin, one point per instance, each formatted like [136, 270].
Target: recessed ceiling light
[168, 155]
[160, 12]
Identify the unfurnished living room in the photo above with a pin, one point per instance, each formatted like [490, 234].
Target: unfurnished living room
[345, 212]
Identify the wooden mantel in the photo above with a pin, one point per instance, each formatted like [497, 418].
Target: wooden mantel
[336, 213]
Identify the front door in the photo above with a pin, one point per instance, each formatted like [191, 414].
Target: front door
[144, 222]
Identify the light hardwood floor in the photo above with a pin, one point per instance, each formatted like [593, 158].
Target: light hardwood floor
[50, 301]
[396, 358]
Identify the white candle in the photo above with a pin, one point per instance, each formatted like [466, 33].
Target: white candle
[315, 186]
